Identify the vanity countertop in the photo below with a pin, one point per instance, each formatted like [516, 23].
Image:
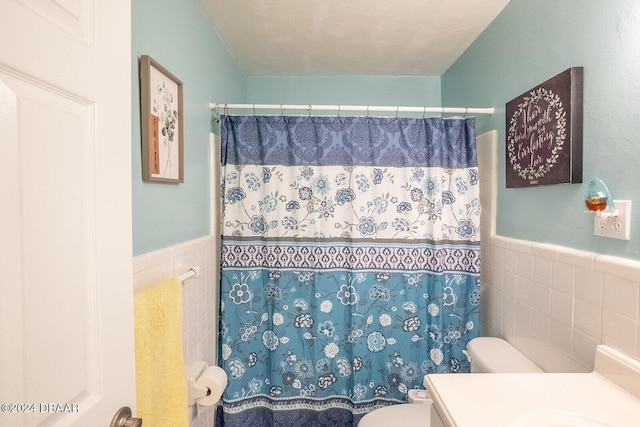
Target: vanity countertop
[607, 397]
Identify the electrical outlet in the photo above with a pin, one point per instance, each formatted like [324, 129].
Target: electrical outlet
[614, 226]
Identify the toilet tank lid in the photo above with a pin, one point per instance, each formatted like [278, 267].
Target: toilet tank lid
[497, 355]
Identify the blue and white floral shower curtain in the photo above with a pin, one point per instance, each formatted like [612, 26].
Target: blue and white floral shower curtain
[350, 263]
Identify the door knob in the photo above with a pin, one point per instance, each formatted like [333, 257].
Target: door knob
[123, 418]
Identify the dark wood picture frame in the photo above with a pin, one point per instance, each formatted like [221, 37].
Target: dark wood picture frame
[544, 133]
[161, 122]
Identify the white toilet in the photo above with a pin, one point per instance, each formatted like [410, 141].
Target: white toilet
[487, 354]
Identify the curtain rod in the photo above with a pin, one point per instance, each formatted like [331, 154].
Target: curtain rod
[361, 108]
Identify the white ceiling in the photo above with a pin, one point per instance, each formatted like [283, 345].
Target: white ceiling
[349, 37]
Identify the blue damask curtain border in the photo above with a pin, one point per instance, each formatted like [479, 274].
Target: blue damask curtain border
[434, 258]
[349, 141]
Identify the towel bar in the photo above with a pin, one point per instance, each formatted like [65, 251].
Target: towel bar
[192, 272]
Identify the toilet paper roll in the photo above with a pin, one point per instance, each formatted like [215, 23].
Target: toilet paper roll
[215, 380]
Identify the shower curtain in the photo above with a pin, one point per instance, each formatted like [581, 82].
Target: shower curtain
[350, 263]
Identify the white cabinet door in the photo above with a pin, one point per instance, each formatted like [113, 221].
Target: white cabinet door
[66, 321]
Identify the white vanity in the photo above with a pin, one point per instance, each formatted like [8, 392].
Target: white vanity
[607, 397]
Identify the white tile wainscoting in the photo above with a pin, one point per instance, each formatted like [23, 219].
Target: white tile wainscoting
[199, 301]
[553, 303]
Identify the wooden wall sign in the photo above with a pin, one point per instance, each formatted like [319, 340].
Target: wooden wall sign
[544, 133]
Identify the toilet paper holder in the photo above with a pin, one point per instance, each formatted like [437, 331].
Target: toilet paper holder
[196, 391]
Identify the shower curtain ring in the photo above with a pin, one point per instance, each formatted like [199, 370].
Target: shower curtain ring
[338, 110]
[368, 111]
[424, 112]
[397, 110]
[254, 110]
[309, 110]
[465, 112]
[442, 113]
[281, 110]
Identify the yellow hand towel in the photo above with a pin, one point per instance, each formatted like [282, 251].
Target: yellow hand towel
[161, 386]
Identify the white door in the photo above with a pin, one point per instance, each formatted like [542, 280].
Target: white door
[66, 322]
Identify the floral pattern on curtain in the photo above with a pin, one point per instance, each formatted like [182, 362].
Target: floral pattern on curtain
[350, 263]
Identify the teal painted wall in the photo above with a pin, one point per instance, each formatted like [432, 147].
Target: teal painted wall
[178, 34]
[346, 90]
[528, 43]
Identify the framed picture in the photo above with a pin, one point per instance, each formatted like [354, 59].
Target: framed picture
[161, 117]
[544, 133]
